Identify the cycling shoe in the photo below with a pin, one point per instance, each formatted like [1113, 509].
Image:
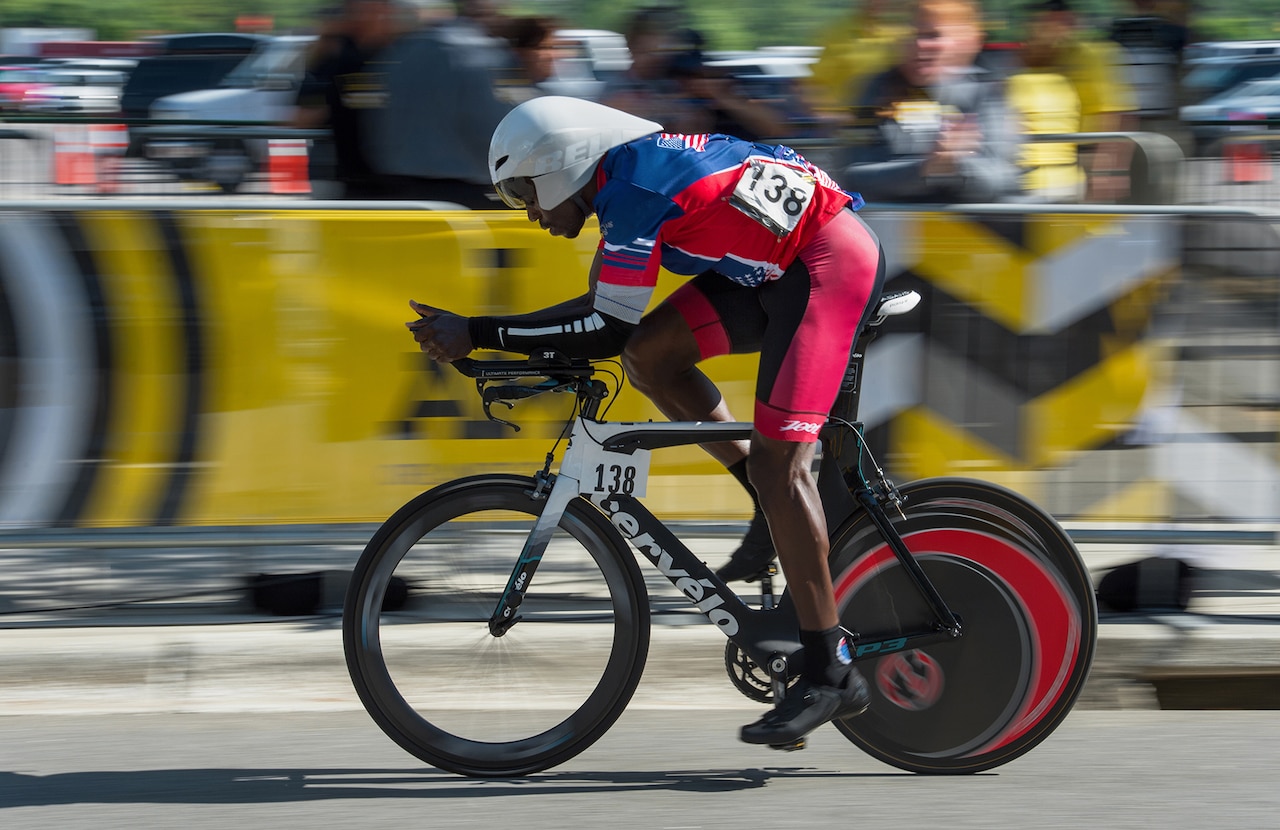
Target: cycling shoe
[806, 707]
[752, 558]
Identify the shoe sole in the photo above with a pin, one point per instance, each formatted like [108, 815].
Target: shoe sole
[790, 744]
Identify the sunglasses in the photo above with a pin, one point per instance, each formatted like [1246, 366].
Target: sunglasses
[517, 192]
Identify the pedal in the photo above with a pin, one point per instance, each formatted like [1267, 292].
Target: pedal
[794, 746]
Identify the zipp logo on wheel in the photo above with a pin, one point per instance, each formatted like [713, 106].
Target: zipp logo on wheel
[801, 426]
[911, 680]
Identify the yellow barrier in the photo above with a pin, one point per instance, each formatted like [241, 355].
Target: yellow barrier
[231, 367]
[1036, 347]
[253, 366]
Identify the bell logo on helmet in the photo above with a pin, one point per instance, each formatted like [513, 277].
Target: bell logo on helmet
[593, 146]
[548, 163]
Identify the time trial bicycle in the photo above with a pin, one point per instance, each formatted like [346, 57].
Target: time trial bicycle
[498, 625]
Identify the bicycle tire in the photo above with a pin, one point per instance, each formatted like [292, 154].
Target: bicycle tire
[1015, 579]
[436, 680]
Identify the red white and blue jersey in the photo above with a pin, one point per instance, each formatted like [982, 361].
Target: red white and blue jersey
[667, 200]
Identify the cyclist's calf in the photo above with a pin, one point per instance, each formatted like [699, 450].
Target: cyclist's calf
[779, 470]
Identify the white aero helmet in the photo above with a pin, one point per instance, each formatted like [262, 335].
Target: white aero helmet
[548, 147]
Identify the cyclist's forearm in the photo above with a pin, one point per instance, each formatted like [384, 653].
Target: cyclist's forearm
[576, 306]
[572, 327]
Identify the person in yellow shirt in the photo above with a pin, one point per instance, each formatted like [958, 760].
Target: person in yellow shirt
[1071, 83]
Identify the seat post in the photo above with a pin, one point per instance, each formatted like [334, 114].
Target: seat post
[847, 401]
[840, 444]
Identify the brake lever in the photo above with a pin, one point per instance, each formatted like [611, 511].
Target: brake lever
[489, 394]
[505, 395]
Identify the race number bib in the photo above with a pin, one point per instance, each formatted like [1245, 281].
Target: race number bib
[774, 195]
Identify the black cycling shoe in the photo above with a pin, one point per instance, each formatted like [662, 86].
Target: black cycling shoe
[806, 707]
[752, 558]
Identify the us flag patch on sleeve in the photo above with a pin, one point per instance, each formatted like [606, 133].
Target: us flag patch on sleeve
[677, 141]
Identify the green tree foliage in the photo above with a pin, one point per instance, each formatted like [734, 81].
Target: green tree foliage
[128, 19]
[728, 24]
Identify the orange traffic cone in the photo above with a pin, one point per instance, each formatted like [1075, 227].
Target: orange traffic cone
[72, 155]
[287, 165]
[109, 143]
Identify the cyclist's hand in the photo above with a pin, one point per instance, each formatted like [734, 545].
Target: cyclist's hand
[441, 335]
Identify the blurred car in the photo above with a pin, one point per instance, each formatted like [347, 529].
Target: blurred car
[15, 82]
[261, 90]
[82, 64]
[186, 62]
[768, 68]
[1212, 76]
[208, 43]
[1196, 53]
[76, 90]
[599, 53]
[160, 75]
[1251, 101]
[773, 75]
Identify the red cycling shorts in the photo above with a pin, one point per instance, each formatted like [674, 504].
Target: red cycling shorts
[803, 324]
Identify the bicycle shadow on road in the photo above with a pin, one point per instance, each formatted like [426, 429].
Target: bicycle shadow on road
[265, 786]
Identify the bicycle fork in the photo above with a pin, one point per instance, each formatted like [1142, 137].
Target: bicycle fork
[506, 614]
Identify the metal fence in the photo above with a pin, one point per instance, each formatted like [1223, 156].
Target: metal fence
[74, 156]
[60, 158]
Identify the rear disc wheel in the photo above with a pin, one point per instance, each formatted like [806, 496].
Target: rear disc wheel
[1029, 626]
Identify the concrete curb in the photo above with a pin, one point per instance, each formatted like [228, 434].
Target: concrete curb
[260, 664]
[218, 653]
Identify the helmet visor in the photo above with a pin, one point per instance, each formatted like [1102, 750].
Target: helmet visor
[518, 192]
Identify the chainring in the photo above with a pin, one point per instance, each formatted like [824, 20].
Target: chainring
[748, 676]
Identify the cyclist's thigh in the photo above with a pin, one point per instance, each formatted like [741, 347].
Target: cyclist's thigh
[814, 311]
[724, 317]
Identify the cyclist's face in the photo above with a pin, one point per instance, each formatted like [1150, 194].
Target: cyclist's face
[565, 219]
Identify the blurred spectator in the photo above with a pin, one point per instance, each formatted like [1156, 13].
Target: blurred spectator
[1152, 38]
[670, 83]
[1055, 43]
[546, 62]
[935, 127]
[312, 111]
[535, 48]
[648, 88]
[343, 84]
[869, 42]
[717, 103]
[431, 139]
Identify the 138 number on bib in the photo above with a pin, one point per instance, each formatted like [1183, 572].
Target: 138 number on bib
[774, 195]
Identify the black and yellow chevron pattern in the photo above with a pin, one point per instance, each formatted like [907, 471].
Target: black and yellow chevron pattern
[1036, 336]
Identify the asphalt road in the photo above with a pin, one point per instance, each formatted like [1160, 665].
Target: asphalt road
[677, 769]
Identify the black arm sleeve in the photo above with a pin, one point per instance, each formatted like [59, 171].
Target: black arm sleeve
[591, 335]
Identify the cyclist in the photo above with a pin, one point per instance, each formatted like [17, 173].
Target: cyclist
[781, 265]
